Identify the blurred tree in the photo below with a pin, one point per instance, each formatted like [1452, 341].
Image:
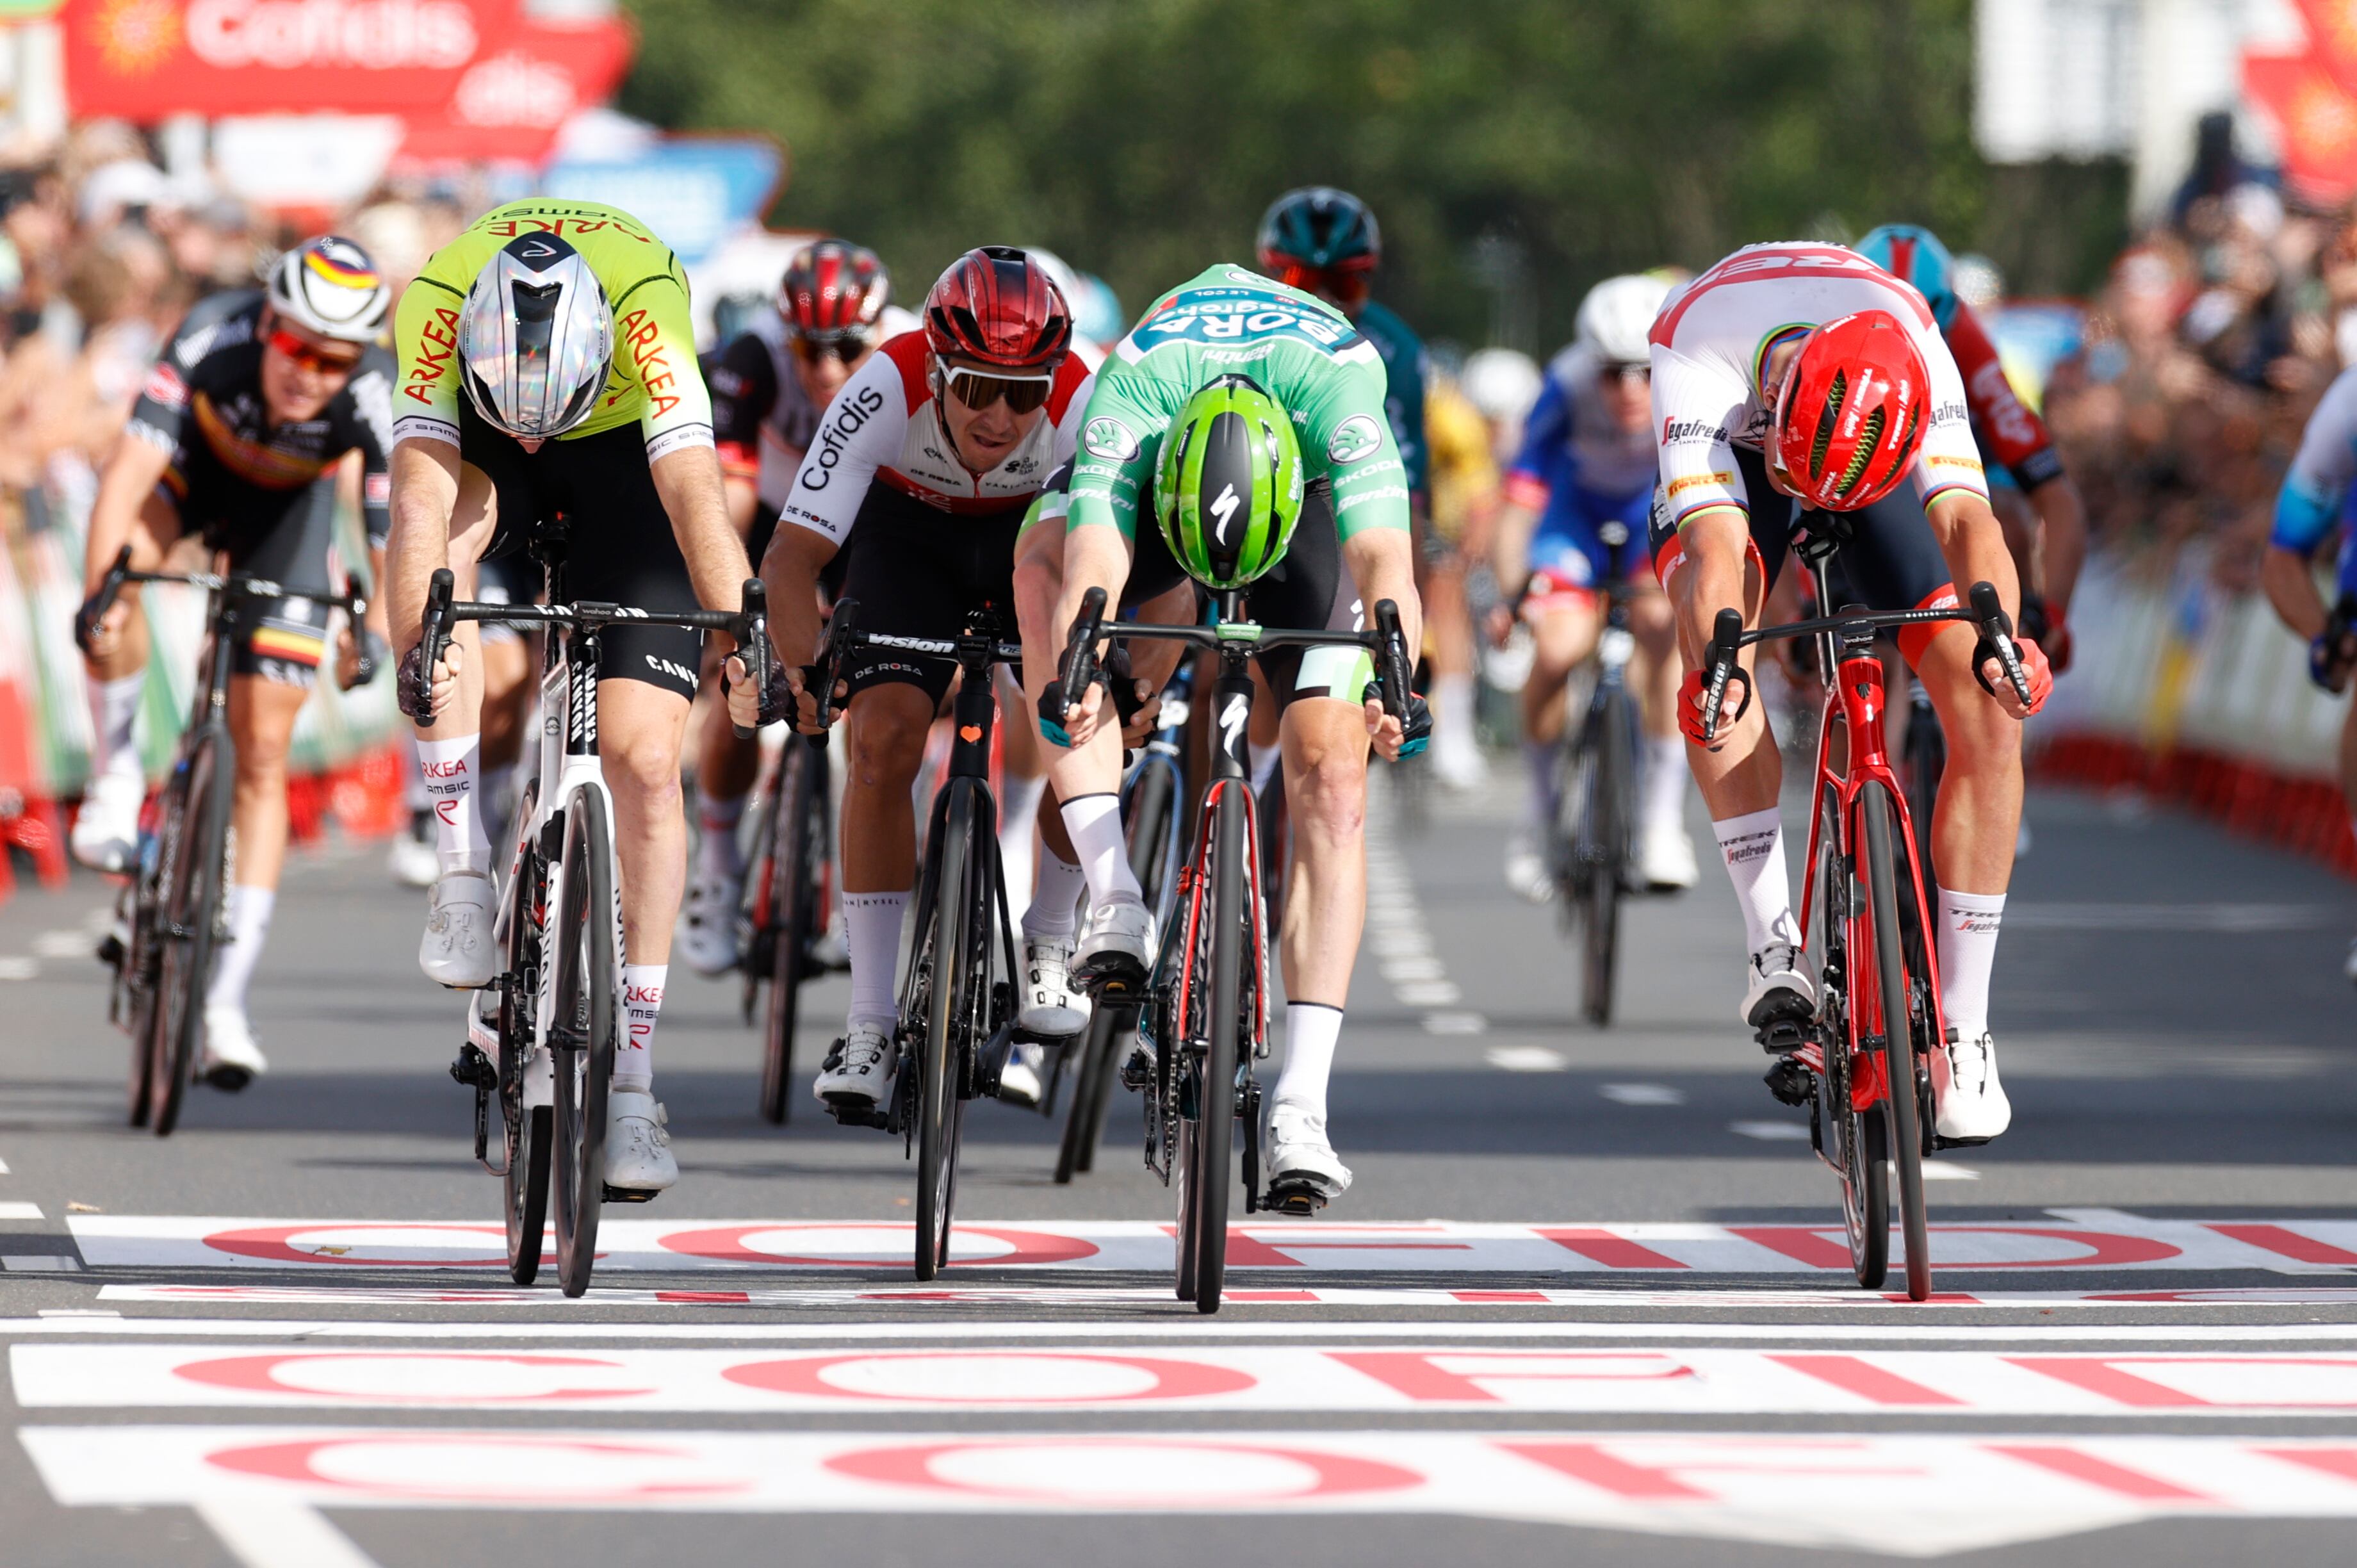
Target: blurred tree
[1142, 138]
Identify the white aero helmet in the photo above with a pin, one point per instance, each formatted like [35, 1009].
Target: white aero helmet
[1501, 382]
[1616, 317]
[536, 337]
[328, 286]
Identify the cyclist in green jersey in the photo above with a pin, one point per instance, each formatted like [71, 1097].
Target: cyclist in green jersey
[548, 368]
[1350, 548]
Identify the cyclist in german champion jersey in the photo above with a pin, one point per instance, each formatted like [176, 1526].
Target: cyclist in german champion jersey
[238, 437]
[2050, 544]
[1587, 460]
[547, 368]
[1802, 375]
[2317, 505]
[769, 384]
[1273, 364]
[921, 469]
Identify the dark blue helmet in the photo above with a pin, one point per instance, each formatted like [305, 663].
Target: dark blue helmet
[1319, 227]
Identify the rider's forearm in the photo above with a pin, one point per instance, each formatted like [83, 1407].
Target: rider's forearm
[378, 619]
[2064, 547]
[2290, 585]
[131, 477]
[1094, 557]
[425, 489]
[688, 480]
[1382, 563]
[1973, 544]
[1510, 552]
[791, 571]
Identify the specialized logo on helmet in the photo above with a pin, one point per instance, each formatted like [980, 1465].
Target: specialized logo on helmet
[1357, 436]
[1110, 439]
[1223, 508]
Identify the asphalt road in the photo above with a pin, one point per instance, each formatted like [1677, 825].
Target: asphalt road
[1579, 1304]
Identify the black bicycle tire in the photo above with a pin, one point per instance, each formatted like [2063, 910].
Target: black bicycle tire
[789, 915]
[1078, 1140]
[585, 987]
[1607, 838]
[1866, 1191]
[1215, 1097]
[525, 1189]
[141, 962]
[936, 1090]
[192, 903]
[523, 1185]
[1906, 1133]
[1927, 763]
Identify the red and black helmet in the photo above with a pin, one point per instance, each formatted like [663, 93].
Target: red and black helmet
[1851, 413]
[834, 289]
[997, 306]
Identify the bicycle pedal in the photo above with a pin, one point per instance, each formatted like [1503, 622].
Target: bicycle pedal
[1792, 1082]
[1298, 1198]
[1938, 1142]
[1783, 1035]
[629, 1195]
[228, 1079]
[111, 951]
[473, 1069]
[860, 1116]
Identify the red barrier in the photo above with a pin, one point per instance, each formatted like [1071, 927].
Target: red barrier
[2300, 813]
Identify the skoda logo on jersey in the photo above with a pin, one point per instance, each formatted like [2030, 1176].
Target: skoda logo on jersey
[1357, 436]
[1110, 439]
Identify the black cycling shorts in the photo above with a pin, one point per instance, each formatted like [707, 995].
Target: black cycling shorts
[619, 548]
[1307, 590]
[1891, 562]
[286, 535]
[918, 571]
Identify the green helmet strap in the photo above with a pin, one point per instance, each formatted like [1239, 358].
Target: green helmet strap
[1230, 488]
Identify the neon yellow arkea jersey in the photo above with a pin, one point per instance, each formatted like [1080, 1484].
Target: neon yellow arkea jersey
[654, 378]
[1459, 466]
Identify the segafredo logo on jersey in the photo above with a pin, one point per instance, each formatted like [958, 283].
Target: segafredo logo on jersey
[1107, 437]
[1356, 437]
[1677, 432]
[298, 35]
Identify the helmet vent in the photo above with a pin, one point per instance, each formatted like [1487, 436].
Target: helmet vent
[1835, 395]
[1868, 439]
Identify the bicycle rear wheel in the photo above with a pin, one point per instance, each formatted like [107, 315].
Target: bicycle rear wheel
[142, 959]
[1208, 1177]
[588, 957]
[1093, 1063]
[1904, 1124]
[1927, 761]
[792, 903]
[191, 910]
[1148, 816]
[953, 1005]
[1602, 847]
[1861, 1148]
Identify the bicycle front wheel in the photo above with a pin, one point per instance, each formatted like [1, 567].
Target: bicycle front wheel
[582, 1034]
[1603, 848]
[960, 935]
[1902, 1122]
[1215, 1094]
[191, 914]
[528, 1129]
[1861, 1149]
[794, 831]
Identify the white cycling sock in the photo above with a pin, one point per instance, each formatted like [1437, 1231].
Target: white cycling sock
[114, 711]
[717, 853]
[1539, 755]
[1265, 761]
[1968, 927]
[1018, 814]
[1094, 822]
[1753, 847]
[1055, 902]
[1665, 781]
[413, 798]
[1312, 1029]
[634, 1054]
[453, 769]
[872, 923]
[1452, 712]
[246, 912]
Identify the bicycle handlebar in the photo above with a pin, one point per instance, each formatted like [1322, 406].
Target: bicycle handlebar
[237, 584]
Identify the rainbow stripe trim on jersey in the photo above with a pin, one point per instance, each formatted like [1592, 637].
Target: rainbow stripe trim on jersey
[1768, 346]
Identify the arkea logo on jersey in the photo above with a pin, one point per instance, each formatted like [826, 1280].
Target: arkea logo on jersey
[1107, 437]
[437, 340]
[1356, 437]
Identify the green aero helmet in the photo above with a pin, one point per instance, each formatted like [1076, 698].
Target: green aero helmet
[1230, 488]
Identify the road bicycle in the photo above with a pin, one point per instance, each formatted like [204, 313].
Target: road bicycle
[1865, 1063]
[1153, 815]
[782, 915]
[1590, 852]
[1204, 1015]
[173, 904]
[542, 1035]
[957, 1013]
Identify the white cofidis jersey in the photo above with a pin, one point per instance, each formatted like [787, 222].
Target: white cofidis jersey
[1711, 345]
[884, 427]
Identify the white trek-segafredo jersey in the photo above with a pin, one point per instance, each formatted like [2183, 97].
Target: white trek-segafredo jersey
[1714, 337]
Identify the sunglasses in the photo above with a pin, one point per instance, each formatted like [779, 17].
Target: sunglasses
[979, 390]
[1625, 370]
[1346, 286]
[312, 358]
[848, 347]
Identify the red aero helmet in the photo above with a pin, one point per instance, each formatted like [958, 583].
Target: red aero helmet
[1852, 411]
[999, 307]
[833, 287]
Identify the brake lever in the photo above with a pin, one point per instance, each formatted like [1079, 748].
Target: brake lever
[1996, 630]
[1078, 668]
[753, 641]
[1726, 645]
[829, 672]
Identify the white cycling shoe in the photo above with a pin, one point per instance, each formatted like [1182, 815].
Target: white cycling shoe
[456, 948]
[231, 1058]
[706, 933]
[1116, 942]
[1666, 859]
[1023, 1080]
[1526, 869]
[857, 1070]
[1051, 1006]
[413, 861]
[638, 1144]
[106, 832]
[1781, 983]
[1975, 1108]
[1460, 766]
[1298, 1153]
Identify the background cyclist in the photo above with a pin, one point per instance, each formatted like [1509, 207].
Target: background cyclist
[1802, 373]
[1331, 498]
[1587, 460]
[238, 437]
[567, 325]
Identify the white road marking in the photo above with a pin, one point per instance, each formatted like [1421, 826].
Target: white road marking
[1526, 1058]
[1773, 1131]
[1642, 1094]
[20, 1211]
[1948, 1170]
[4, 1168]
[274, 1532]
[1430, 993]
[62, 944]
[15, 968]
[1456, 1024]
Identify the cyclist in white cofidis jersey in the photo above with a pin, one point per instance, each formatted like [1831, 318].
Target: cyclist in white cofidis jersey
[1795, 375]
